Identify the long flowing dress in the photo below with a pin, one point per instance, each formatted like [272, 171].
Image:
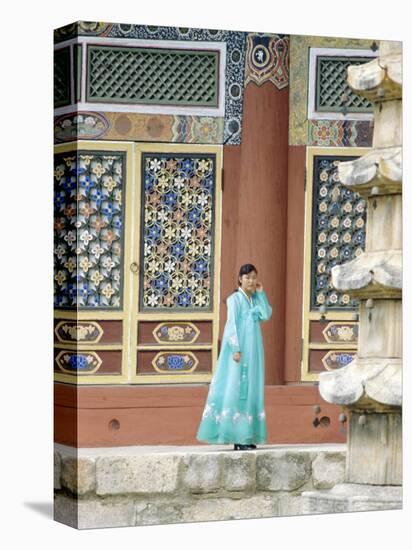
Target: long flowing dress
[234, 410]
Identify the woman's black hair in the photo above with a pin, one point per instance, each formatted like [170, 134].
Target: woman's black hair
[244, 270]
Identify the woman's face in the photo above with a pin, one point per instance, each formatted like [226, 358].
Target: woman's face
[248, 281]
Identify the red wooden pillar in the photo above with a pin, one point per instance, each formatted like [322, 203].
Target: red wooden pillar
[254, 224]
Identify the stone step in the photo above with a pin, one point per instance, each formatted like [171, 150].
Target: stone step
[144, 449]
[352, 497]
[108, 487]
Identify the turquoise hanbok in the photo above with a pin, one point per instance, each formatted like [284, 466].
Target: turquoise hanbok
[234, 410]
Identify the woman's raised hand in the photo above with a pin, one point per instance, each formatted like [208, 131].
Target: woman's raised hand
[236, 356]
[259, 286]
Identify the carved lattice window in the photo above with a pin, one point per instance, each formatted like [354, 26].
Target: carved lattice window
[332, 90]
[338, 231]
[88, 215]
[152, 76]
[178, 231]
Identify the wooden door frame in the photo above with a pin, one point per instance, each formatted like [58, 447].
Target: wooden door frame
[135, 315]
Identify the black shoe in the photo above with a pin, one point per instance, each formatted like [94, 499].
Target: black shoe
[252, 446]
[240, 447]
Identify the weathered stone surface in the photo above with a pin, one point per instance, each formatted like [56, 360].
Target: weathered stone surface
[57, 470]
[387, 129]
[106, 513]
[381, 334]
[94, 513]
[78, 474]
[380, 167]
[380, 78]
[386, 386]
[155, 513]
[169, 487]
[375, 448]
[65, 510]
[213, 509]
[388, 235]
[363, 377]
[203, 472]
[239, 471]
[359, 504]
[351, 497]
[154, 473]
[328, 469]
[289, 505]
[371, 274]
[283, 470]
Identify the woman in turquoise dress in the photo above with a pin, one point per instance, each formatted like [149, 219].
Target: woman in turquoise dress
[234, 410]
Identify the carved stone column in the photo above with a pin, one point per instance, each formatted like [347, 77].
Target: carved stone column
[370, 387]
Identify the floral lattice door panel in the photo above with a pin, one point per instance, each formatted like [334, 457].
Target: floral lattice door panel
[175, 315]
[92, 212]
[137, 240]
[335, 233]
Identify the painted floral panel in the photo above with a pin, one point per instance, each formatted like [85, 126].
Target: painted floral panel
[178, 213]
[88, 238]
[338, 231]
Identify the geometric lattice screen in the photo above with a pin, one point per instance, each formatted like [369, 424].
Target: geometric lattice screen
[152, 75]
[88, 236]
[178, 231]
[332, 86]
[338, 231]
[61, 77]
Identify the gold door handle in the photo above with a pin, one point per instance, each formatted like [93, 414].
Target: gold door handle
[134, 267]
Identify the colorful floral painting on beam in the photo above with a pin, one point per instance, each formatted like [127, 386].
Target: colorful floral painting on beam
[340, 133]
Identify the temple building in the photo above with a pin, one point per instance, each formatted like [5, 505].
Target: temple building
[181, 154]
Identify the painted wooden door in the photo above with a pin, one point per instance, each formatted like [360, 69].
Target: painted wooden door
[137, 262]
[334, 233]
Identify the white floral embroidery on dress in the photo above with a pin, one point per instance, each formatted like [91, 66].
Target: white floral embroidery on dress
[207, 411]
[218, 416]
[234, 341]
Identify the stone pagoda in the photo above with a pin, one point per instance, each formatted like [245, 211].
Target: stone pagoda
[370, 387]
